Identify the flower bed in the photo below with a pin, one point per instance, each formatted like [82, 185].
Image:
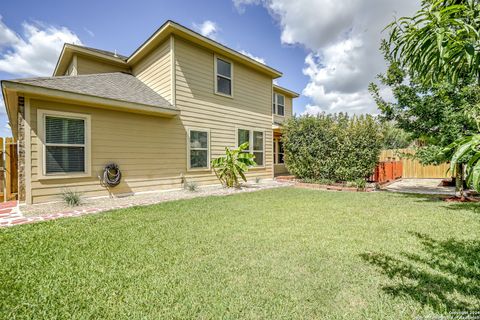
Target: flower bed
[333, 187]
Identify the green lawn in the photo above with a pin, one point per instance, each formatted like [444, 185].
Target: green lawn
[280, 254]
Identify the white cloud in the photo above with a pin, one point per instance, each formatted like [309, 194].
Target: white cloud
[207, 28]
[35, 51]
[343, 39]
[5, 130]
[248, 54]
[7, 36]
[240, 4]
[90, 32]
[312, 110]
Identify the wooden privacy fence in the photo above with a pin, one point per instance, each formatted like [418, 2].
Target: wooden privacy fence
[386, 171]
[9, 169]
[412, 168]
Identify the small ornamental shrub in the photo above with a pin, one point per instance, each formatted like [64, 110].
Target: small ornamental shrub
[191, 186]
[332, 147]
[71, 198]
[233, 166]
[360, 183]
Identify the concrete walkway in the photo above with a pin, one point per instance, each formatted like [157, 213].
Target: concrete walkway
[420, 186]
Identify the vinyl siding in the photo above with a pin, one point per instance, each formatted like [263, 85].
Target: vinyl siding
[72, 68]
[150, 152]
[250, 106]
[155, 70]
[90, 66]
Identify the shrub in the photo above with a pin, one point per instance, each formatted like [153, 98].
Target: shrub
[191, 186]
[72, 198]
[233, 166]
[360, 183]
[332, 147]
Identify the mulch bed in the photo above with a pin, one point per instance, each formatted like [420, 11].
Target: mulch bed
[459, 199]
[335, 187]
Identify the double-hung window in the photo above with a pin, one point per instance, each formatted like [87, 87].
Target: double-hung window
[198, 149]
[65, 139]
[256, 144]
[278, 107]
[223, 77]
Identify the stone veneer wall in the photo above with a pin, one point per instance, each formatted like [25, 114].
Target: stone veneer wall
[21, 149]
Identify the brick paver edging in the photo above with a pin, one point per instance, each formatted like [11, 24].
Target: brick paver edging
[10, 214]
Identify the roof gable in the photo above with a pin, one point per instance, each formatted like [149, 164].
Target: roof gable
[167, 29]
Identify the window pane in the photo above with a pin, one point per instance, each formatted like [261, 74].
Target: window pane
[280, 110]
[65, 159]
[274, 152]
[198, 159]
[224, 85]
[273, 108]
[257, 140]
[280, 152]
[258, 158]
[63, 130]
[243, 136]
[198, 139]
[280, 99]
[224, 68]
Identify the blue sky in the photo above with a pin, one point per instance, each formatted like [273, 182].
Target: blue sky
[324, 47]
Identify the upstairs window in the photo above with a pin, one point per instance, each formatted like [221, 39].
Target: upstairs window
[224, 72]
[255, 141]
[278, 104]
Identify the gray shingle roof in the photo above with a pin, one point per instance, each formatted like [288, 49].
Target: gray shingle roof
[105, 52]
[115, 85]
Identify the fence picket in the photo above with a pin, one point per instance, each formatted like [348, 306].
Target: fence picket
[412, 168]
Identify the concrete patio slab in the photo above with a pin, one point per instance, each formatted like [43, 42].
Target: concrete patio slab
[420, 186]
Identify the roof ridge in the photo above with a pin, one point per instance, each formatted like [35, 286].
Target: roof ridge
[70, 77]
[107, 52]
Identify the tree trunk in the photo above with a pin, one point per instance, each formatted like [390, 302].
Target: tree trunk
[459, 180]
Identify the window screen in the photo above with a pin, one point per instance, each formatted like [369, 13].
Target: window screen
[64, 145]
[224, 77]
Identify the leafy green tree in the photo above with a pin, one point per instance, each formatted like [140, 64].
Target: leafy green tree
[433, 115]
[233, 166]
[394, 137]
[441, 42]
[440, 49]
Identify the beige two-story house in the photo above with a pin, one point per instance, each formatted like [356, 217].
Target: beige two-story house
[161, 114]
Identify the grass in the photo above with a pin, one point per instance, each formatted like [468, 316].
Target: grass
[280, 254]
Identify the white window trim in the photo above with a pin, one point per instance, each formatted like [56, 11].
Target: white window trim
[215, 74]
[250, 143]
[275, 103]
[41, 114]
[208, 167]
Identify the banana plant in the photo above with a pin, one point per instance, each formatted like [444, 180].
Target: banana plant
[233, 166]
[462, 149]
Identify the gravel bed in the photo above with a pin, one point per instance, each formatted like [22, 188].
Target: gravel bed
[106, 203]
